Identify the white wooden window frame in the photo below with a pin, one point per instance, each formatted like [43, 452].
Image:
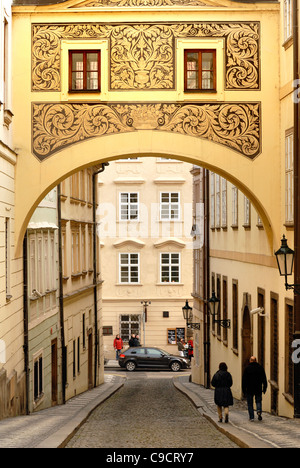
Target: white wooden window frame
[170, 210]
[235, 205]
[247, 212]
[168, 265]
[287, 19]
[131, 207]
[289, 177]
[42, 261]
[212, 200]
[218, 201]
[130, 265]
[224, 201]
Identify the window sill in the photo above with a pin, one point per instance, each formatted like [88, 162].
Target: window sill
[128, 284]
[169, 284]
[200, 91]
[84, 91]
[39, 400]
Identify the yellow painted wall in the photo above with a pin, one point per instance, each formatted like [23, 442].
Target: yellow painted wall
[252, 176]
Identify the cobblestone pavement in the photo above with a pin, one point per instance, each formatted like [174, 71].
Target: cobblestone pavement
[50, 428]
[148, 412]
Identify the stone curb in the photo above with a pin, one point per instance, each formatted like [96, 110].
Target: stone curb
[63, 435]
[236, 434]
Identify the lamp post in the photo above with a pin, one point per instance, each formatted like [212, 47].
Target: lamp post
[145, 305]
[188, 316]
[285, 261]
[214, 303]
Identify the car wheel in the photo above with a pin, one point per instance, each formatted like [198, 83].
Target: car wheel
[130, 366]
[175, 366]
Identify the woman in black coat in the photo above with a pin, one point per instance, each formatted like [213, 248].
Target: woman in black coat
[222, 381]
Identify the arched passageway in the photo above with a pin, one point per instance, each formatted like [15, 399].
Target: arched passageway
[249, 175]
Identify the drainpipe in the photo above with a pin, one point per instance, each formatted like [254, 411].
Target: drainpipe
[103, 165]
[296, 206]
[61, 301]
[206, 277]
[25, 321]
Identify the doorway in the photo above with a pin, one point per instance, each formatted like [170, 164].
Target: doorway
[246, 338]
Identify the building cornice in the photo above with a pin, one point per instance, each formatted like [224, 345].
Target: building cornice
[7, 153]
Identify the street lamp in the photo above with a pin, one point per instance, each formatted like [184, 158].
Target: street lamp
[188, 316]
[145, 305]
[214, 304]
[285, 261]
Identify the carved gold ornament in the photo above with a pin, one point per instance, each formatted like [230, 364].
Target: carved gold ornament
[142, 56]
[57, 126]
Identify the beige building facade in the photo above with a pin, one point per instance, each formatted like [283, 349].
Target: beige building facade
[43, 350]
[146, 250]
[12, 376]
[243, 272]
[81, 284]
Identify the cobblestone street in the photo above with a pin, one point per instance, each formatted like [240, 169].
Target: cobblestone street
[148, 412]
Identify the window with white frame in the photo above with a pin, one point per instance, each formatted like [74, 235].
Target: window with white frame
[224, 202]
[218, 201]
[5, 58]
[289, 178]
[129, 264]
[129, 206]
[235, 219]
[90, 249]
[8, 257]
[170, 267]
[42, 261]
[169, 206]
[212, 199]
[83, 249]
[247, 212]
[75, 253]
[287, 19]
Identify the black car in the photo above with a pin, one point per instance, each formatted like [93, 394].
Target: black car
[150, 358]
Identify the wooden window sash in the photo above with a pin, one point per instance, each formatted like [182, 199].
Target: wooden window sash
[85, 71]
[200, 70]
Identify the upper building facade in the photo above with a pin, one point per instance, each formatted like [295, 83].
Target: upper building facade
[144, 219]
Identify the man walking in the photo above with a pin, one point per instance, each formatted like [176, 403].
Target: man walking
[254, 383]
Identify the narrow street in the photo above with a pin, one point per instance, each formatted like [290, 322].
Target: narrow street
[148, 412]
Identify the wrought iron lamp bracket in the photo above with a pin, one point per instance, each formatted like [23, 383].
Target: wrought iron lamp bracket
[295, 287]
[224, 323]
[194, 326]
